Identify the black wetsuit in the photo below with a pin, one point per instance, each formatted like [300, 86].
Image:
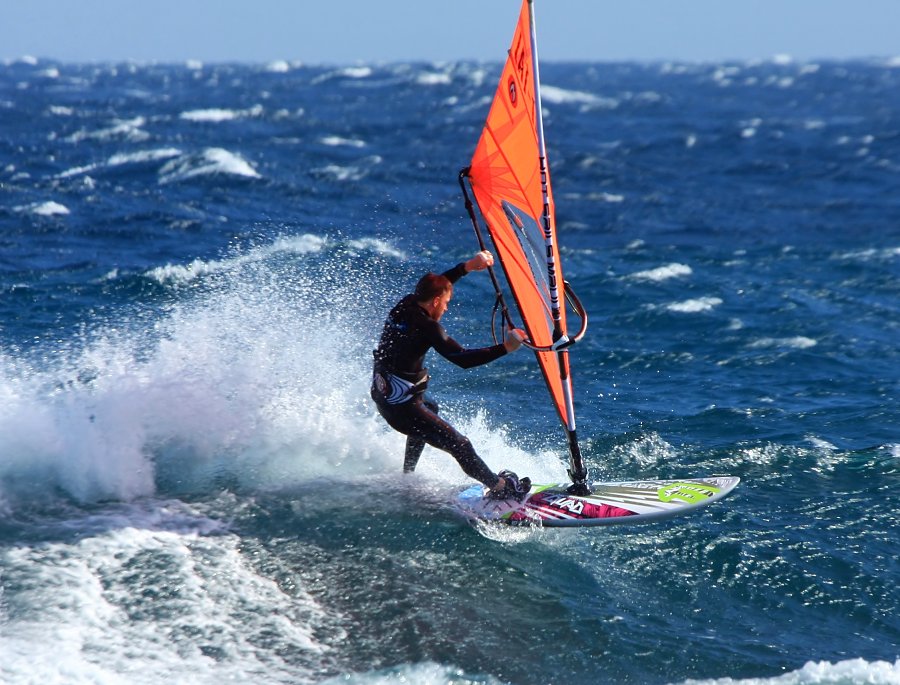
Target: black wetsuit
[400, 379]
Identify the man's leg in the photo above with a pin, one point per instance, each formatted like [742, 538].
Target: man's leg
[421, 424]
[415, 443]
[433, 430]
[414, 447]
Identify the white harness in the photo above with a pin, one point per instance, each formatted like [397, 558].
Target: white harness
[396, 390]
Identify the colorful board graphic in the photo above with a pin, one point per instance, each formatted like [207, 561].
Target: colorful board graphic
[620, 502]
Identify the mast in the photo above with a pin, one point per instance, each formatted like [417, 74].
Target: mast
[577, 471]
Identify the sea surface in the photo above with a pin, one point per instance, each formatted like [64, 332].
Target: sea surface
[195, 263]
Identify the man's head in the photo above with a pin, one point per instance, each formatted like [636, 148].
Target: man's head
[433, 293]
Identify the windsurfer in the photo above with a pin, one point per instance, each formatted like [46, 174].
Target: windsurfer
[400, 379]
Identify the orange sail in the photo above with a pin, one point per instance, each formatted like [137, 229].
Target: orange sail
[506, 178]
[511, 182]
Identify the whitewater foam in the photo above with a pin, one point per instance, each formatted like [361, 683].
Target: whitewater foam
[143, 156]
[49, 208]
[420, 674]
[338, 140]
[646, 452]
[562, 96]
[694, 306]
[83, 617]
[798, 342]
[217, 115]
[124, 158]
[612, 198]
[361, 72]
[376, 245]
[433, 79]
[129, 129]
[258, 377]
[848, 672]
[177, 275]
[663, 273]
[353, 172]
[212, 161]
[864, 255]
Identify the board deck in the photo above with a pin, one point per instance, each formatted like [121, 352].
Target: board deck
[612, 503]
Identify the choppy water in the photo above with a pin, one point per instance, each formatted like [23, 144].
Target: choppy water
[194, 487]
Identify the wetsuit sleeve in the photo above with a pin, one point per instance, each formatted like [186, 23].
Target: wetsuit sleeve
[457, 272]
[451, 350]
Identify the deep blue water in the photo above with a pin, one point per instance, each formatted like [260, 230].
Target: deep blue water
[194, 487]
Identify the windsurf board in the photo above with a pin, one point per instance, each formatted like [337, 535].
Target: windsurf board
[609, 503]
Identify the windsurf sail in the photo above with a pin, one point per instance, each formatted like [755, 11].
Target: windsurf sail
[510, 179]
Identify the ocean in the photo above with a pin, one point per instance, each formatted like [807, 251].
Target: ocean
[194, 485]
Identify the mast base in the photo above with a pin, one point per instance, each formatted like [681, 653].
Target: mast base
[579, 484]
[580, 489]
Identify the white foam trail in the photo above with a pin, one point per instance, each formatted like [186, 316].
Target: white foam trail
[855, 671]
[299, 245]
[337, 140]
[361, 72]
[48, 208]
[562, 96]
[209, 115]
[130, 129]
[143, 156]
[211, 162]
[700, 304]
[265, 377]
[798, 342]
[883, 254]
[75, 171]
[84, 616]
[378, 246]
[351, 172]
[725, 75]
[342, 173]
[612, 198]
[663, 273]
[120, 159]
[433, 79]
[647, 452]
[184, 274]
[782, 82]
[356, 72]
[418, 674]
[217, 115]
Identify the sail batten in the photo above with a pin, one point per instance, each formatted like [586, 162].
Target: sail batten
[510, 178]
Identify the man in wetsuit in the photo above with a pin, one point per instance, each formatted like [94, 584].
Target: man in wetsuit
[399, 380]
